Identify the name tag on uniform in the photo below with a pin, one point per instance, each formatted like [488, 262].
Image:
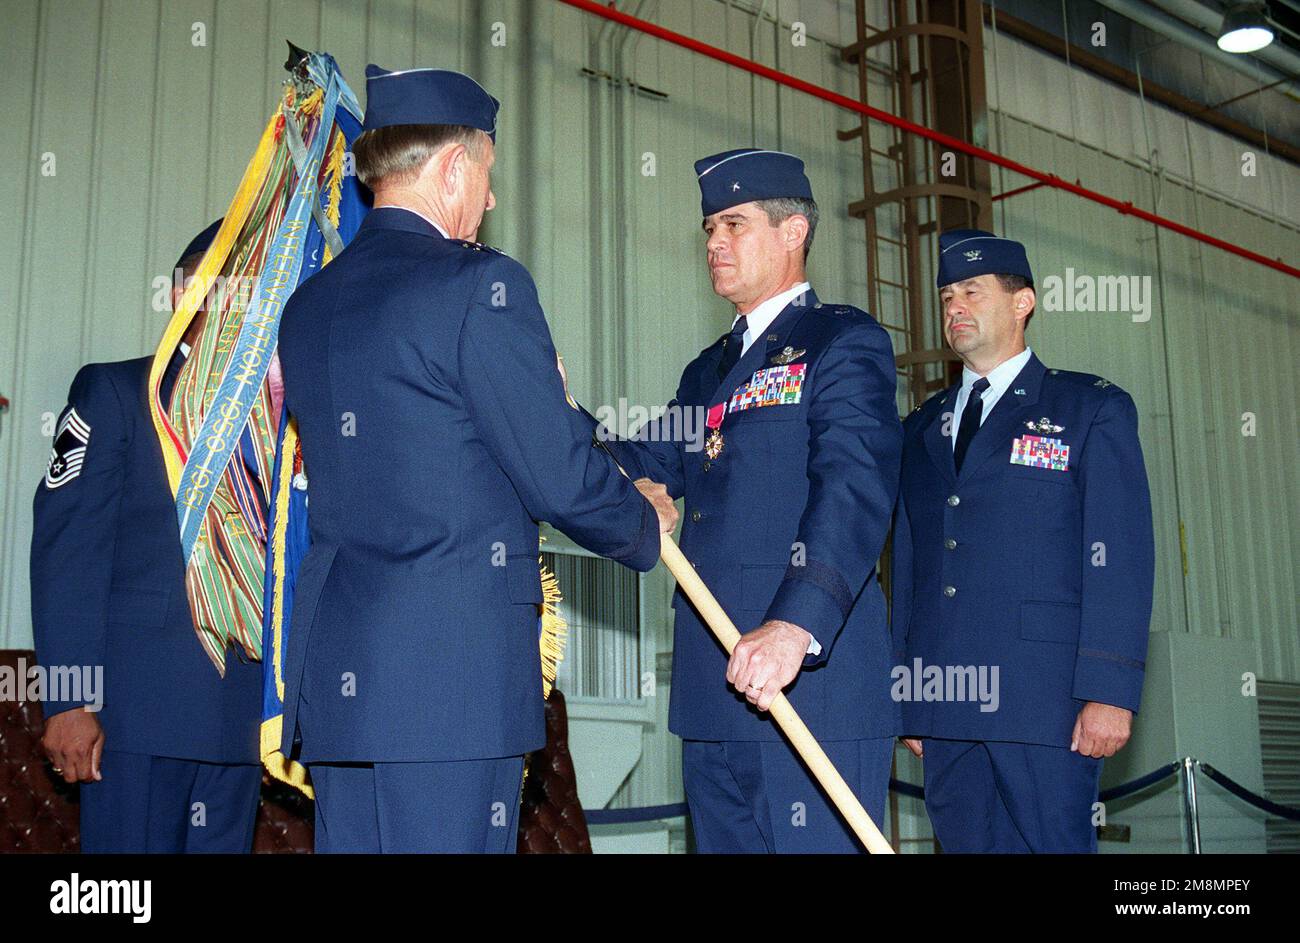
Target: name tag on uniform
[1038, 451]
[773, 386]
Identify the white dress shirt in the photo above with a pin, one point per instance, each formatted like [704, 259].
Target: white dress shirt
[1000, 378]
[758, 320]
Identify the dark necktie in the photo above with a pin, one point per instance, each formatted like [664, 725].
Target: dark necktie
[731, 349]
[970, 420]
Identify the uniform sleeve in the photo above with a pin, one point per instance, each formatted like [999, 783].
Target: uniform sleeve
[74, 528]
[1118, 559]
[853, 463]
[655, 450]
[517, 403]
[900, 580]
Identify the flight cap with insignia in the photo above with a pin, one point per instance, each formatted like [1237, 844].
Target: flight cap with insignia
[427, 96]
[199, 244]
[968, 253]
[749, 174]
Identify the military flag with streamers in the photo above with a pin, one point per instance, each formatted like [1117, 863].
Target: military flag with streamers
[295, 208]
[232, 453]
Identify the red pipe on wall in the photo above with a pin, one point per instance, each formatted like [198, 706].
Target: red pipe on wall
[1018, 190]
[1125, 207]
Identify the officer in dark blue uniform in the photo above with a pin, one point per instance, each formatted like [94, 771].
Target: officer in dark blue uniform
[788, 494]
[436, 434]
[1023, 570]
[166, 750]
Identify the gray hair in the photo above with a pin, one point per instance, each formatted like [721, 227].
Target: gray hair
[399, 151]
[779, 209]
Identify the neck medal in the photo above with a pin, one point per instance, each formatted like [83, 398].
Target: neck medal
[713, 444]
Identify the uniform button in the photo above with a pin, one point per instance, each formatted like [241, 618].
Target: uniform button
[696, 515]
[950, 543]
[950, 591]
[953, 501]
[707, 464]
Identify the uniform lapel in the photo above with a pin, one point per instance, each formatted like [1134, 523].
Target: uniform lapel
[994, 435]
[936, 443]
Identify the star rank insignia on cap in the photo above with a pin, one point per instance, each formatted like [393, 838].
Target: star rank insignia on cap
[69, 451]
[1043, 426]
[480, 247]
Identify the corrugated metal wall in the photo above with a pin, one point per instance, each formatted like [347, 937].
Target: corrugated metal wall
[150, 132]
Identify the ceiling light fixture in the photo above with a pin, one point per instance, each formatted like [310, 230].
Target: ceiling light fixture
[1245, 28]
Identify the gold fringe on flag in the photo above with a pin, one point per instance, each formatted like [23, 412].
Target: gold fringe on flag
[554, 634]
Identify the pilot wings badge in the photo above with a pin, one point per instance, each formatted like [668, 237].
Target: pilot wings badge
[788, 355]
[1043, 426]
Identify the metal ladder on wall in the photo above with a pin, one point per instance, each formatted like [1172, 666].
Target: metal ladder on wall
[929, 55]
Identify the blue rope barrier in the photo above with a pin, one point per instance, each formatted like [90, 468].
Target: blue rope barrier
[678, 809]
[645, 813]
[1241, 792]
[1142, 782]
[906, 789]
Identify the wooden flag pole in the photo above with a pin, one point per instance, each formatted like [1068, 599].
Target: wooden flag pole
[785, 715]
[725, 631]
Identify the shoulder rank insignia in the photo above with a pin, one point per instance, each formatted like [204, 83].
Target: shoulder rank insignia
[481, 247]
[69, 452]
[1043, 426]
[787, 355]
[1102, 383]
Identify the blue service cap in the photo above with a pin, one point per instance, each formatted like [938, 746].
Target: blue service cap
[200, 242]
[748, 174]
[427, 96]
[966, 253]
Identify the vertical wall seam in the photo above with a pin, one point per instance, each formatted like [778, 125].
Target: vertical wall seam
[17, 420]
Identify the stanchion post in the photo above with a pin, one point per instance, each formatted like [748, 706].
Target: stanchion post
[1189, 806]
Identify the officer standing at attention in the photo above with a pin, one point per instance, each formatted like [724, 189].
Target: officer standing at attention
[436, 434]
[787, 508]
[170, 762]
[1023, 544]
